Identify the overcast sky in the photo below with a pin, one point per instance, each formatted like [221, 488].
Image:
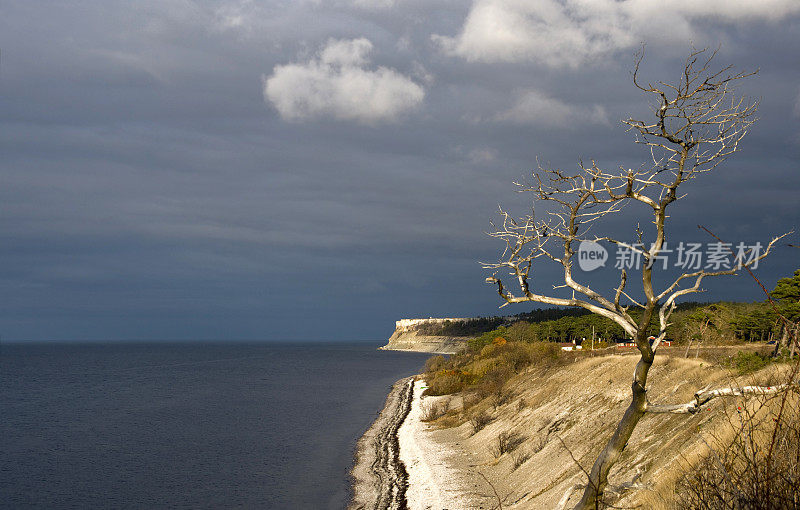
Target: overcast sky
[179, 169]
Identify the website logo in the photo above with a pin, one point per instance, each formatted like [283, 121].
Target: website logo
[591, 255]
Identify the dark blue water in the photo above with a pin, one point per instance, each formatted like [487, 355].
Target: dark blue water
[187, 425]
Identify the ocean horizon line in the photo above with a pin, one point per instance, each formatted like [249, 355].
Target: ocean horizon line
[161, 341]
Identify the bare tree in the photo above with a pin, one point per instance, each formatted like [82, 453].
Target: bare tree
[697, 123]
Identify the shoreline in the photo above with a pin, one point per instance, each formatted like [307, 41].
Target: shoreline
[403, 463]
[439, 471]
[379, 478]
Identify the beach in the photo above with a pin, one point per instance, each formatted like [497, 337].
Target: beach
[438, 474]
[405, 463]
[379, 477]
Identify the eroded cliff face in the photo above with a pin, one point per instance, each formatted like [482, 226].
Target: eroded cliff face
[564, 415]
[414, 335]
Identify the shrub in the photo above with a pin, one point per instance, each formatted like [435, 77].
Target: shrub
[479, 421]
[598, 344]
[490, 351]
[477, 343]
[488, 369]
[493, 380]
[435, 364]
[434, 410]
[747, 362]
[517, 356]
[506, 442]
[469, 401]
[539, 445]
[502, 397]
[545, 351]
[446, 382]
[519, 458]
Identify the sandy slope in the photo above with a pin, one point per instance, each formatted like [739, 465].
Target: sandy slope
[566, 413]
[437, 475]
[578, 403]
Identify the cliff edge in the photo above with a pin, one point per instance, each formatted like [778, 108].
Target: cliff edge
[560, 416]
[429, 335]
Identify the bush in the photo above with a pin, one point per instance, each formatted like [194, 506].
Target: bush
[506, 442]
[434, 410]
[491, 350]
[502, 397]
[493, 381]
[545, 351]
[435, 364]
[477, 343]
[479, 421]
[517, 356]
[469, 401]
[519, 458]
[747, 362]
[539, 445]
[488, 369]
[446, 382]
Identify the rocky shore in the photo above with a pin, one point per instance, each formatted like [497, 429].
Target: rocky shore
[379, 477]
[405, 463]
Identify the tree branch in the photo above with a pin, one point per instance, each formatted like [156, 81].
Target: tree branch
[703, 397]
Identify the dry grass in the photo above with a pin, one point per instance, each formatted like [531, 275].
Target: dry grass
[434, 410]
[756, 464]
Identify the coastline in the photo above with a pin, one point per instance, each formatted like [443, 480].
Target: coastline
[405, 463]
[412, 341]
[379, 478]
[440, 475]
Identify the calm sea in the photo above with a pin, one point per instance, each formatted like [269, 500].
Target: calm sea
[187, 425]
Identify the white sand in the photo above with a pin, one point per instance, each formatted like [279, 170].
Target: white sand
[433, 483]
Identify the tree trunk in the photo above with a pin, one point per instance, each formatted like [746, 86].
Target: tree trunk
[784, 341]
[598, 478]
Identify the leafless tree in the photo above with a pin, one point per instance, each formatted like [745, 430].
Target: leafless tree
[700, 335]
[697, 123]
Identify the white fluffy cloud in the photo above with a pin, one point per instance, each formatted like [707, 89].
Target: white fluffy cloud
[337, 83]
[571, 32]
[546, 31]
[537, 108]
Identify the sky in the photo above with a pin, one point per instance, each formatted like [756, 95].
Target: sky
[314, 169]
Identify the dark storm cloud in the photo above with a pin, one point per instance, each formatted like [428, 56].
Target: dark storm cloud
[151, 190]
